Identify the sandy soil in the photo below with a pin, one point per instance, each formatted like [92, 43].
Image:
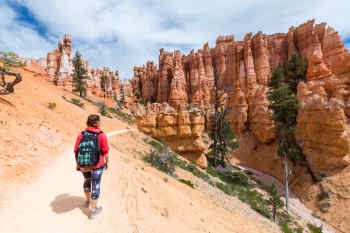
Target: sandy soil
[31, 134]
[135, 197]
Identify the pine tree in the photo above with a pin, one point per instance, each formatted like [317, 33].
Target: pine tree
[221, 134]
[275, 200]
[79, 75]
[284, 105]
[122, 96]
[295, 71]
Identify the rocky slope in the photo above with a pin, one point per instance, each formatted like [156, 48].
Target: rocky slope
[244, 68]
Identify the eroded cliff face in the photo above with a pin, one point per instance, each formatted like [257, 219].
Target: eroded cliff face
[99, 82]
[244, 69]
[181, 129]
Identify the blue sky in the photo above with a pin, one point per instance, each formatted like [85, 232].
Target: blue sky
[124, 33]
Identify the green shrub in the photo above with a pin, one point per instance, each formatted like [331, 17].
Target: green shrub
[52, 106]
[162, 161]
[234, 180]
[224, 187]
[192, 167]
[285, 227]
[211, 183]
[89, 100]
[275, 200]
[211, 171]
[77, 102]
[261, 208]
[180, 163]
[103, 109]
[234, 167]
[230, 176]
[122, 115]
[282, 216]
[187, 182]
[314, 229]
[157, 145]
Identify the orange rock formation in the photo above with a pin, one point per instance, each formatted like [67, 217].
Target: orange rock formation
[244, 68]
[103, 83]
[181, 129]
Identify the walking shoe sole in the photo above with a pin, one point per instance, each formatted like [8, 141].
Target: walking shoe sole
[95, 212]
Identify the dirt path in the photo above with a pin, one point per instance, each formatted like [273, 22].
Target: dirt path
[136, 199]
[54, 203]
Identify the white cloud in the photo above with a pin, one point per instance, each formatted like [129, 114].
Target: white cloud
[124, 33]
[19, 37]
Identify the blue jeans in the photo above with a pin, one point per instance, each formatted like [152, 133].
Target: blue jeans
[92, 178]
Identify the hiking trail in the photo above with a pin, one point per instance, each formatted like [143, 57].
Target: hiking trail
[54, 202]
[135, 199]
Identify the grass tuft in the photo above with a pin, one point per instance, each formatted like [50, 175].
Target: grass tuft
[187, 182]
[314, 229]
[52, 106]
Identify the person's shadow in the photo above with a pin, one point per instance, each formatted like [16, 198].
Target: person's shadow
[64, 203]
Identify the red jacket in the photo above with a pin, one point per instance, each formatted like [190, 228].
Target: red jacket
[102, 143]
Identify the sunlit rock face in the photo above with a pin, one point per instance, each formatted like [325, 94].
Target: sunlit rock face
[180, 128]
[244, 69]
[99, 82]
[60, 63]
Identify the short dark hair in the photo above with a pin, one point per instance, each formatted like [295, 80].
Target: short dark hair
[92, 120]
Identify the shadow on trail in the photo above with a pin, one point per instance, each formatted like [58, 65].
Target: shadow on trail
[64, 203]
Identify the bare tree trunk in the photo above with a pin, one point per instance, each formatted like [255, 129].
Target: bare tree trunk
[9, 87]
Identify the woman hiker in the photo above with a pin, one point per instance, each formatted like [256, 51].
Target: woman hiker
[91, 153]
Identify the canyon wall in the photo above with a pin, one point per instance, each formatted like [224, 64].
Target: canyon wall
[243, 71]
[180, 128]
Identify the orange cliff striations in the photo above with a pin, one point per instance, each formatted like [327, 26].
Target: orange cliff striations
[244, 69]
[181, 129]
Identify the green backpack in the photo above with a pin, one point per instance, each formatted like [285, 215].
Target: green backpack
[88, 153]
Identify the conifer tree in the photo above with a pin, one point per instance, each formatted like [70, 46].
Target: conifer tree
[275, 200]
[122, 96]
[284, 105]
[79, 75]
[221, 134]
